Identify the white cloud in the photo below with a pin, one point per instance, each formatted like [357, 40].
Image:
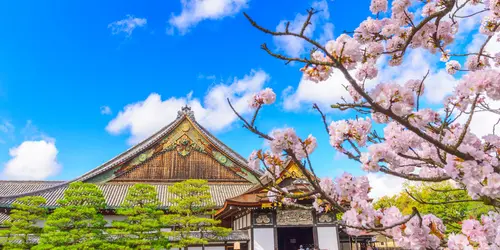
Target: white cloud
[438, 84]
[467, 24]
[106, 110]
[478, 39]
[143, 118]
[32, 160]
[195, 11]
[482, 122]
[384, 184]
[294, 46]
[324, 93]
[127, 25]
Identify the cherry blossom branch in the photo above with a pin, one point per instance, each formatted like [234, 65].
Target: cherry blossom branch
[310, 13]
[323, 118]
[247, 125]
[486, 42]
[447, 190]
[419, 93]
[438, 203]
[414, 31]
[467, 123]
[413, 177]
[360, 91]
[473, 14]
[380, 229]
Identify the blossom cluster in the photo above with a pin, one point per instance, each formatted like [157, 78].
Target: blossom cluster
[356, 130]
[266, 96]
[287, 139]
[483, 233]
[283, 140]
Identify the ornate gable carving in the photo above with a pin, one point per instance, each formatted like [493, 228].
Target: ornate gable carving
[183, 141]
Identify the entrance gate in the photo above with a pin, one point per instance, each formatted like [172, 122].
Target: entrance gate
[291, 238]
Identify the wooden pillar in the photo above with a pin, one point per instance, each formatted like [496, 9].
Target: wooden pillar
[275, 229]
[315, 230]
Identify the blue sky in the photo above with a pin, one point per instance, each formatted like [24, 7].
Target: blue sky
[61, 63]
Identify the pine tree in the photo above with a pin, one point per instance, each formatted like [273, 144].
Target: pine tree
[22, 229]
[142, 227]
[190, 214]
[77, 223]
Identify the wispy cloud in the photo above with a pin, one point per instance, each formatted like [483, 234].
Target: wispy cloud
[206, 77]
[195, 11]
[126, 25]
[105, 110]
[6, 131]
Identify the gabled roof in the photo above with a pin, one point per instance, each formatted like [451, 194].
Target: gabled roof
[105, 172]
[291, 177]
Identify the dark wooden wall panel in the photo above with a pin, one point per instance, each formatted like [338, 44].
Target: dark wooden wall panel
[172, 166]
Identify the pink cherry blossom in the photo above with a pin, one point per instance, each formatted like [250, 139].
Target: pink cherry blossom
[378, 6]
[367, 71]
[254, 161]
[473, 63]
[452, 67]
[355, 130]
[416, 86]
[317, 72]
[394, 96]
[266, 96]
[346, 50]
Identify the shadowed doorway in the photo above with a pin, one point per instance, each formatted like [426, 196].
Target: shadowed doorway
[291, 238]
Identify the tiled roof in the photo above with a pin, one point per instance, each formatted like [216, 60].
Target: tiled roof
[114, 193]
[8, 188]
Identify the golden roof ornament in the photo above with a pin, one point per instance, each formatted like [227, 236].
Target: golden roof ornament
[186, 110]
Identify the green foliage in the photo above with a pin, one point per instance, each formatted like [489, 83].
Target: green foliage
[141, 228]
[22, 229]
[191, 210]
[450, 213]
[77, 223]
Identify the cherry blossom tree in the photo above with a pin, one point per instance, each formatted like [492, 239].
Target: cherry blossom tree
[416, 143]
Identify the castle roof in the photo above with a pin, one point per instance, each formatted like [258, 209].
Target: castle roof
[180, 150]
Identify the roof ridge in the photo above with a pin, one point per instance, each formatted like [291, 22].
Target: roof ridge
[32, 181]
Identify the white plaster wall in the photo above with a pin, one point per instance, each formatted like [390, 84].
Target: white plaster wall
[263, 238]
[40, 223]
[111, 218]
[207, 248]
[328, 238]
[214, 248]
[250, 243]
